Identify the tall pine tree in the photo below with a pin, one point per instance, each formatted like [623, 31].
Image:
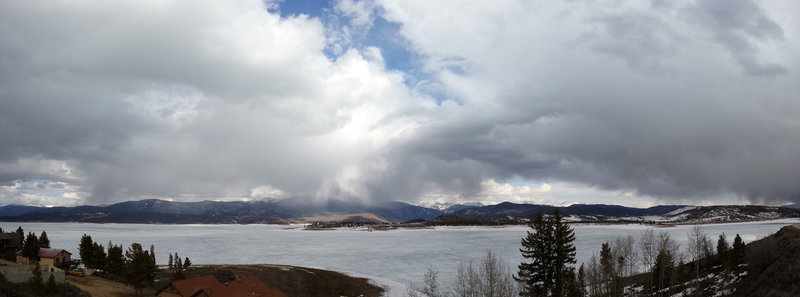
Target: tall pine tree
[31, 246]
[737, 251]
[723, 251]
[536, 276]
[564, 254]
[139, 267]
[20, 234]
[86, 248]
[549, 252]
[44, 242]
[115, 261]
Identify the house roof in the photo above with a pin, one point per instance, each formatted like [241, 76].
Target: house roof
[250, 286]
[47, 253]
[190, 286]
[13, 238]
[6, 236]
[50, 253]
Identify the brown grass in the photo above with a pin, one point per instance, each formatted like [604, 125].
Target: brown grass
[101, 287]
[293, 281]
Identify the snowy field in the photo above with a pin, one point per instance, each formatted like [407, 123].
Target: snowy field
[399, 256]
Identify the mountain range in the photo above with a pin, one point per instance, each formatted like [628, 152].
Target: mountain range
[299, 210]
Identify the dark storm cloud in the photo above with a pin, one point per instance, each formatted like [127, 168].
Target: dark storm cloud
[738, 26]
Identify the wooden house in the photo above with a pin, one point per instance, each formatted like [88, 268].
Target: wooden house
[52, 257]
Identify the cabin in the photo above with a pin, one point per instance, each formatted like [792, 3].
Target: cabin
[208, 286]
[45, 256]
[9, 244]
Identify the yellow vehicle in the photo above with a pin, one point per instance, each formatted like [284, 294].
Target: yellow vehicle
[76, 272]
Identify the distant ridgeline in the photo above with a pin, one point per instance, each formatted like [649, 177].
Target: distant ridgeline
[300, 210]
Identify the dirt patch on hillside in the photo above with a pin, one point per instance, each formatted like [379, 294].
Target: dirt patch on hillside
[101, 287]
[292, 280]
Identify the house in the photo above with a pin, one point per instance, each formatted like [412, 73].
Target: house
[9, 244]
[208, 286]
[51, 257]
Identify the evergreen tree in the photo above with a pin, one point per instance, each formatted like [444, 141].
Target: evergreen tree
[31, 246]
[139, 268]
[606, 268]
[36, 282]
[722, 251]
[115, 261]
[535, 277]
[169, 263]
[98, 259]
[581, 282]
[86, 248]
[186, 263]
[551, 254]
[564, 253]
[51, 286]
[152, 264]
[738, 250]
[20, 234]
[178, 275]
[44, 242]
[178, 266]
[178, 263]
[662, 271]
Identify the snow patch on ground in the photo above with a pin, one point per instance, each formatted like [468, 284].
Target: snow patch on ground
[391, 288]
[680, 210]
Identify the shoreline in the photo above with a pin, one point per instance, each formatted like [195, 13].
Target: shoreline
[389, 226]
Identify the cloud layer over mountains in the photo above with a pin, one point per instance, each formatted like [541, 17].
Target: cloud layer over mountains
[190, 100]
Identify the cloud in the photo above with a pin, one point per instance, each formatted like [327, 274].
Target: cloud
[41, 193]
[266, 191]
[740, 26]
[540, 98]
[192, 100]
[155, 102]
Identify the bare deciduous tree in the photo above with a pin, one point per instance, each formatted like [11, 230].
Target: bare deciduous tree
[431, 288]
[594, 276]
[491, 278]
[625, 247]
[467, 280]
[647, 245]
[665, 242]
[696, 247]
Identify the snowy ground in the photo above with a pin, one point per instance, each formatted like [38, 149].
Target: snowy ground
[390, 257]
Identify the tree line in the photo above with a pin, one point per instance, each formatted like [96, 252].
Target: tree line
[660, 258]
[31, 244]
[136, 266]
[548, 269]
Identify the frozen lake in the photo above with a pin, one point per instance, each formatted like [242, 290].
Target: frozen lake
[400, 256]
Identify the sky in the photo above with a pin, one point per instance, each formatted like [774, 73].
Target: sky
[635, 103]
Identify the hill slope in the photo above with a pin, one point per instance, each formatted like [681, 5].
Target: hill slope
[773, 265]
[302, 209]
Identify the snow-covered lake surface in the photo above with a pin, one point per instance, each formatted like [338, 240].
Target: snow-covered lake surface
[399, 256]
